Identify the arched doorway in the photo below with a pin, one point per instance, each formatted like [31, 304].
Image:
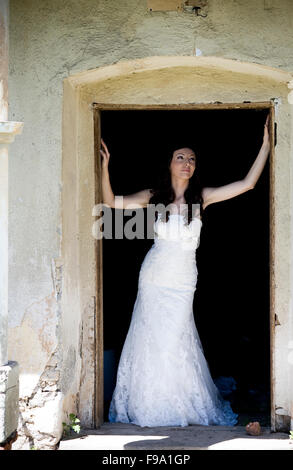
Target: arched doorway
[159, 81]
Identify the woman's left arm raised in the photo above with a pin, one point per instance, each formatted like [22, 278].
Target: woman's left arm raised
[228, 191]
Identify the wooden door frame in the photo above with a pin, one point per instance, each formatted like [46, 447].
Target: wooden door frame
[99, 346]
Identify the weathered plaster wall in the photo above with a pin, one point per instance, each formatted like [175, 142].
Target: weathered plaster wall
[49, 41]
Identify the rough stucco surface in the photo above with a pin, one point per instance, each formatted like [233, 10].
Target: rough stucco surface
[49, 41]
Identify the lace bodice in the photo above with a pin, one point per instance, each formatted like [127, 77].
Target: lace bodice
[176, 229]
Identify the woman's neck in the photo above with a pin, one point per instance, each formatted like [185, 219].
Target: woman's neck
[179, 187]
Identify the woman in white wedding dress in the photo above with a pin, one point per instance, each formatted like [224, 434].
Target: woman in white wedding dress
[163, 378]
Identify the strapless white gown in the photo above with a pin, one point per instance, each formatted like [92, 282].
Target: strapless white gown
[163, 378]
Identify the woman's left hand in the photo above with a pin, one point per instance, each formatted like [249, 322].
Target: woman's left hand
[266, 135]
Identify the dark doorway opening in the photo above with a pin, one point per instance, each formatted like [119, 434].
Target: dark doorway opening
[232, 297]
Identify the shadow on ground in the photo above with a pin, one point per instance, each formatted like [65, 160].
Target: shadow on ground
[117, 436]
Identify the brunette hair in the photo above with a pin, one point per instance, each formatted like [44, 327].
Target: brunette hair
[163, 193]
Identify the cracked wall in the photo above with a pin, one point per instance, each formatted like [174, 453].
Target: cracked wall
[36, 345]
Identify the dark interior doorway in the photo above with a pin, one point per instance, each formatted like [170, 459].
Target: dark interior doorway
[232, 301]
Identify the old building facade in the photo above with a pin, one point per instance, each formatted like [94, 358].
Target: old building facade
[63, 57]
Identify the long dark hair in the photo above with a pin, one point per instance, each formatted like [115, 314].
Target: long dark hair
[164, 193]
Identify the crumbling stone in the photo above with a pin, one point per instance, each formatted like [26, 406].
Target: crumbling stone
[38, 413]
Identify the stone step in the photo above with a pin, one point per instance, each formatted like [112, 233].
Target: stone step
[120, 436]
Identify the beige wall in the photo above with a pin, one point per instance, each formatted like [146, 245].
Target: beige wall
[50, 41]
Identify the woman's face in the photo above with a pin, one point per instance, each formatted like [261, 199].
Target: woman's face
[183, 163]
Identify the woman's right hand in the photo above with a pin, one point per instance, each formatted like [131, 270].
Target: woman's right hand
[105, 154]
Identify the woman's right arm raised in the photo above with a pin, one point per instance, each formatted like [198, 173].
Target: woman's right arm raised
[131, 201]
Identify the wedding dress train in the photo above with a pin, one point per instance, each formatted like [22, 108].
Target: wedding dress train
[163, 378]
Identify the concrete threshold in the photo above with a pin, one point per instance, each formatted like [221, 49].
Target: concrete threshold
[120, 436]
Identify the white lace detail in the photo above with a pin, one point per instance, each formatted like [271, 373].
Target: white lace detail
[163, 378]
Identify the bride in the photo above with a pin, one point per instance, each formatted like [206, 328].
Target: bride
[163, 378]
